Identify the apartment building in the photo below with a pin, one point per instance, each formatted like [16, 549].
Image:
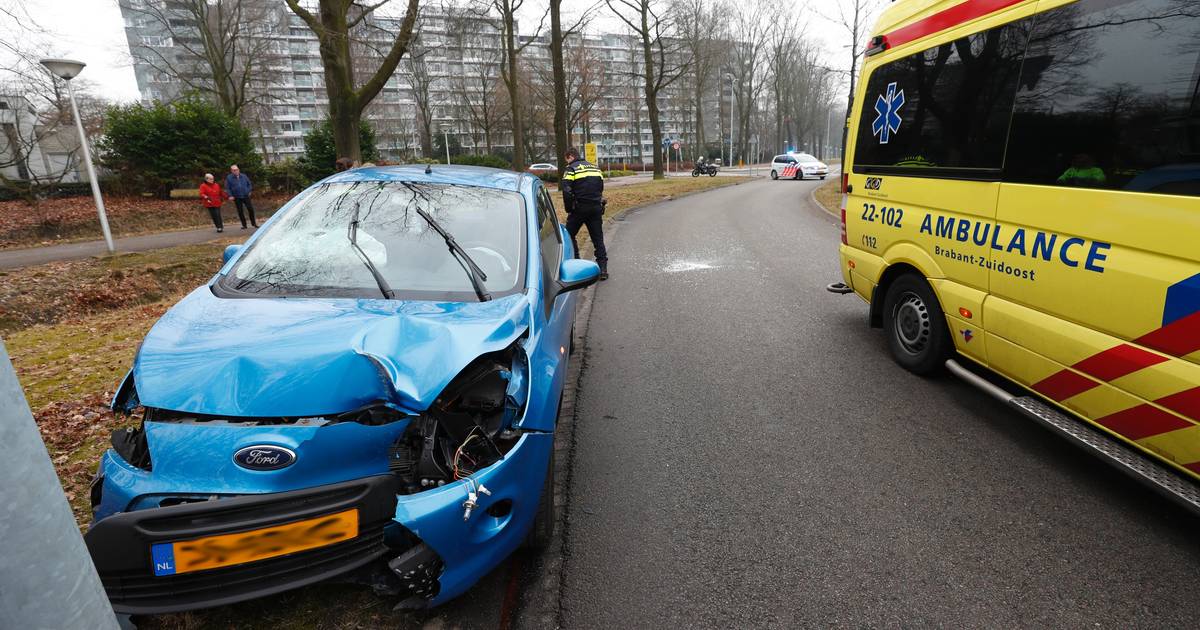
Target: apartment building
[452, 73]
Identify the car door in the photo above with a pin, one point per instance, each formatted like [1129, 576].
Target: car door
[777, 164]
[1096, 293]
[556, 313]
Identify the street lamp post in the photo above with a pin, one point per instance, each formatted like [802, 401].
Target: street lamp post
[66, 70]
[730, 119]
[446, 141]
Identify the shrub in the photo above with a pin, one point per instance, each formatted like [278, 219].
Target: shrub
[153, 147]
[550, 177]
[320, 153]
[286, 176]
[493, 161]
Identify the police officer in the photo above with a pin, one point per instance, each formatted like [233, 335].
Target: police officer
[582, 189]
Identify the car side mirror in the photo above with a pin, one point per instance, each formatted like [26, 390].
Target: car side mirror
[230, 252]
[575, 274]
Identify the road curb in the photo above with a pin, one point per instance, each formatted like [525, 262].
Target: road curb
[812, 198]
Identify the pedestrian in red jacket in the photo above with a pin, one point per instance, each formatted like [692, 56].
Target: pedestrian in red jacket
[212, 196]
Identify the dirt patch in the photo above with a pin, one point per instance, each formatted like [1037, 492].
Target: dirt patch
[45, 294]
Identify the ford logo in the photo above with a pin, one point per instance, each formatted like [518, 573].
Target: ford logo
[264, 457]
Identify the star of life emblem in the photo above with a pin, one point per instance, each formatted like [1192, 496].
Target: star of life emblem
[887, 121]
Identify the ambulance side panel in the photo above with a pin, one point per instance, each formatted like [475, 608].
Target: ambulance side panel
[1095, 290]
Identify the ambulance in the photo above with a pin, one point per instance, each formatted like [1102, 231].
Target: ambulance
[1022, 199]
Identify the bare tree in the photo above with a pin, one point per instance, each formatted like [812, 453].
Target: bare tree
[663, 60]
[854, 18]
[221, 48]
[333, 24]
[38, 143]
[751, 27]
[421, 82]
[511, 49]
[586, 85]
[478, 82]
[558, 69]
[701, 27]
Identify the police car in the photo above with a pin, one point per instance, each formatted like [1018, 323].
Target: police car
[1020, 199]
[797, 166]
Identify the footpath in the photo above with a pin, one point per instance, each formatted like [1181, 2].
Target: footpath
[13, 258]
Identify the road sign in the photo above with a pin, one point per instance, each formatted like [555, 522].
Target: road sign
[675, 145]
[589, 152]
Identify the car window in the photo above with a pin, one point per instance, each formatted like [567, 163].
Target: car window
[779, 158]
[1110, 98]
[308, 251]
[946, 107]
[551, 245]
[807, 159]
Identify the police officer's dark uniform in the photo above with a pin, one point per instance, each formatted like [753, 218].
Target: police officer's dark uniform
[582, 188]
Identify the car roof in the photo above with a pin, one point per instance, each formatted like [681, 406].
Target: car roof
[438, 174]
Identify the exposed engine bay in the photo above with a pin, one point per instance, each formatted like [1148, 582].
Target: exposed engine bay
[467, 428]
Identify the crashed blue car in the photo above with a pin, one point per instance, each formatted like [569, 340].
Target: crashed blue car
[368, 390]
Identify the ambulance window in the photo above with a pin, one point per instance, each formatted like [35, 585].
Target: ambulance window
[943, 112]
[1110, 98]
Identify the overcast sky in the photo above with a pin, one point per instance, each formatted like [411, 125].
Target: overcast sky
[92, 31]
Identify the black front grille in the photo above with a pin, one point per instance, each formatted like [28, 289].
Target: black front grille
[120, 545]
[141, 591]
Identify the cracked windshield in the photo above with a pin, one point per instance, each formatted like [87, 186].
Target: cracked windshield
[310, 252]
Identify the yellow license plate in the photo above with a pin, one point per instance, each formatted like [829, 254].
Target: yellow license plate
[225, 550]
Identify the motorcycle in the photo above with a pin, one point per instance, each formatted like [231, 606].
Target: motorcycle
[708, 168]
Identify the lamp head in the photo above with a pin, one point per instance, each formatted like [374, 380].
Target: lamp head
[65, 69]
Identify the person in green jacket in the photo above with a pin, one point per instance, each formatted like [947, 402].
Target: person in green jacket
[1083, 173]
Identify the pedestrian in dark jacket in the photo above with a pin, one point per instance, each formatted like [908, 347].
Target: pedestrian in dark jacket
[212, 197]
[582, 189]
[238, 186]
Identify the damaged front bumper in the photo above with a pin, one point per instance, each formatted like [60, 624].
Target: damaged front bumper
[416, 545]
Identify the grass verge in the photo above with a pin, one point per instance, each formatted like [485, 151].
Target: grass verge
[829, 195]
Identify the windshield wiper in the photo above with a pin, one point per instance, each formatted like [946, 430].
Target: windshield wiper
[352, 234]
[473, 271]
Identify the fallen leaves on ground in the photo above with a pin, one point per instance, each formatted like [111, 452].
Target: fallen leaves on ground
[45, 294]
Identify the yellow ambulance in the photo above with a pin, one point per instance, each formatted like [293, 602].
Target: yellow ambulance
[1022, 190]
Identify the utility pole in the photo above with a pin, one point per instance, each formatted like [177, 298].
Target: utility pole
[47, 579]
[730, 119]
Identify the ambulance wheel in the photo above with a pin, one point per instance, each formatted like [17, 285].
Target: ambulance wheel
[774, 175]
[916, 330]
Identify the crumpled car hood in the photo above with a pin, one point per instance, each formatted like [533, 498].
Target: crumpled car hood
[305, 357]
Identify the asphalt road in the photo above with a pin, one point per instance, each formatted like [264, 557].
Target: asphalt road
[746, 454]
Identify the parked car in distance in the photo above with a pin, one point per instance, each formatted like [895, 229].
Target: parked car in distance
[367, 390]
[797, 166]
[542, 167]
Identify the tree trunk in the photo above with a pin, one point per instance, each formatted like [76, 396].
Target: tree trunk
[332, 27]
[651, 93]
[514, 94]
[700, 140]
[343, 120]
[561, 139]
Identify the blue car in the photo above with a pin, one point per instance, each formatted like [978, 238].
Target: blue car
[368, 389]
